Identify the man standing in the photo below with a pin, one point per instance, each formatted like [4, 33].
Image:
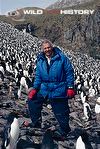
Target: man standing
[54, 80]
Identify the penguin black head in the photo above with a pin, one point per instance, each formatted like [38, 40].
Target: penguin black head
[11, 117]
[47, 142]
[84, 135]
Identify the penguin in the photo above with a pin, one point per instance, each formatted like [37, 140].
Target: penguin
[82, 94]
[2, 73]
[92, 91]
[87, 111]
[26, 83]
[83, 141]
[97, 106]
[86, 84]
[48, 142]
[84, 97]
[11, 132]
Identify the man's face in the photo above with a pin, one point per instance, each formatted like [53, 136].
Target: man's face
[47, 49]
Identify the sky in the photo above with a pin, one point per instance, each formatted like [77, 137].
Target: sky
[11, 5]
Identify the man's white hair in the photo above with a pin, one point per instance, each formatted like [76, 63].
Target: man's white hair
[47, 41]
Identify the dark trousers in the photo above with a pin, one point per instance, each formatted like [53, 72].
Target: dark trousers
[59, 106]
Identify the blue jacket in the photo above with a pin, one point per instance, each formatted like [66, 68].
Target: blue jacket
[53, 80]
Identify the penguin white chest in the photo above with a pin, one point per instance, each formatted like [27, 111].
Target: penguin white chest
[97, 108]
[15, 129]
[79, 143]
[14, 134]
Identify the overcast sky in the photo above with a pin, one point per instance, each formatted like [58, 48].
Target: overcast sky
[10, 5]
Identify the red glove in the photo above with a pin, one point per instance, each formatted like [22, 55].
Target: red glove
[31, 94]
[70, 93]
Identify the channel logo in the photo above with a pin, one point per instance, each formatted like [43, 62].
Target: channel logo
[19, 15]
